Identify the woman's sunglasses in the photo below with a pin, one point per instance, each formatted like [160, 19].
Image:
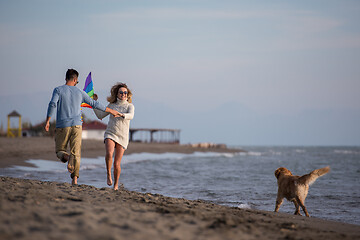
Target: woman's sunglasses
[125, 93]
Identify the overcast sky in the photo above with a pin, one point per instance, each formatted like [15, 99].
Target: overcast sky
[265, 72]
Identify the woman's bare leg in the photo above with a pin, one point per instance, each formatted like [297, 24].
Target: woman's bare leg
[109, 147]
[74, 180]
[119, 152]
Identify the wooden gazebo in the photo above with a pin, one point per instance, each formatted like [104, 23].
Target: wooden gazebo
[14, 132]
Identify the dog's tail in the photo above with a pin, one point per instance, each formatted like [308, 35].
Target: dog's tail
[310, 178]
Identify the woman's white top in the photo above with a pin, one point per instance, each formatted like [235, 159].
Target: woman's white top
[118, 127]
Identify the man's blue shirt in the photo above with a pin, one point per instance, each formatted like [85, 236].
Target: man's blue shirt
[67, 100]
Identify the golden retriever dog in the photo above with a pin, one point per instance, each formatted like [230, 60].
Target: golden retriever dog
[295, 188]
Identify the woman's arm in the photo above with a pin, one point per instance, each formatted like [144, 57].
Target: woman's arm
[130, 114]
[100, 114]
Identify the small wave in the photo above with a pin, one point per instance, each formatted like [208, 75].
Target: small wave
[26, 175]
[140, 157]
[212, 154]
[244, 206]
[272, 152]
[91, 166]
[257, 154]
[260, 154]
[347, 152]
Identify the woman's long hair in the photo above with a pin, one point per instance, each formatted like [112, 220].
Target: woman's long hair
[114, 92]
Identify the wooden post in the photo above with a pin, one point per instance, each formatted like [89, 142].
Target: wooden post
[9, 133]
[20, 127]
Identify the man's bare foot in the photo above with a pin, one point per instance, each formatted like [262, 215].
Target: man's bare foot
[71, 164]
[109, 180]
[116, 187]
[74, 180]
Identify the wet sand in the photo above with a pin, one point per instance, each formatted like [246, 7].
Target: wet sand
[31, 209]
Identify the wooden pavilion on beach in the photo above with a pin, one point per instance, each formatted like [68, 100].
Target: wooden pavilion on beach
[13, 131]
[155, 135]
[96, 129]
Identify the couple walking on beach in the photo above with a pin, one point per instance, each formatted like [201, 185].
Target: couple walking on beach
[66, 99]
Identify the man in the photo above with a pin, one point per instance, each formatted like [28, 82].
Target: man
[67, 100]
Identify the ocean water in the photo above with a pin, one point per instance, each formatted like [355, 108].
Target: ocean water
[244, 180]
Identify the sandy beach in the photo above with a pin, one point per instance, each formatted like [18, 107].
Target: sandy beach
[32, 209]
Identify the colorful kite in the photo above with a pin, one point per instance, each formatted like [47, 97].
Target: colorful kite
[89, 89]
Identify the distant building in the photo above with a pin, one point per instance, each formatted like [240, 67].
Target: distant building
[155, 135]
[96, 129]
[93, 130]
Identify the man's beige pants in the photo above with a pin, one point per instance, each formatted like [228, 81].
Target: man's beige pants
[71, 135]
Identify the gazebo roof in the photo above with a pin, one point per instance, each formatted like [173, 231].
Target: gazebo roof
[14, 114]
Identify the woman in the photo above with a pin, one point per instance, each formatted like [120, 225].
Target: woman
[116, 136]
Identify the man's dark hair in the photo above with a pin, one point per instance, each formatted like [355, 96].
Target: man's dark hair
[71, 74]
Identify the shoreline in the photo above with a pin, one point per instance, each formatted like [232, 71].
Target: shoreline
[15, 151]
[32, 209]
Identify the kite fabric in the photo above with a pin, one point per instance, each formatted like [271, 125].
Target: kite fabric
[89, 89]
